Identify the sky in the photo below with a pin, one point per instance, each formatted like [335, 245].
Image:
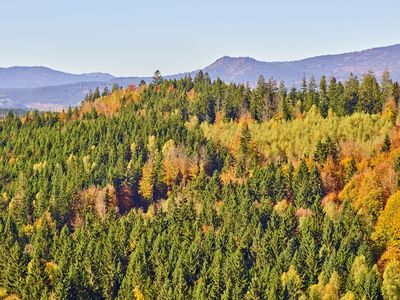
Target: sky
[135, 38]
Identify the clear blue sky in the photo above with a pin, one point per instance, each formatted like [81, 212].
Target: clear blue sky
[137, 37]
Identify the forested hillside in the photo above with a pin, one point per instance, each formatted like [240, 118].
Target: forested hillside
[198, 189]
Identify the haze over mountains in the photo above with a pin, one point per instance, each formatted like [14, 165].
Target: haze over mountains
[47, 89]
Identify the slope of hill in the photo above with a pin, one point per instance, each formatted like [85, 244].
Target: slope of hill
[28, 87]
[145, 194]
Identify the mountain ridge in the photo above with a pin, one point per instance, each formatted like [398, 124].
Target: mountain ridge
[40, 76]
[21, 87]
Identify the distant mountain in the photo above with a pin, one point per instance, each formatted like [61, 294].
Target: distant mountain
[244, 69]
[56, 97]
[32, 77]
[44, 88]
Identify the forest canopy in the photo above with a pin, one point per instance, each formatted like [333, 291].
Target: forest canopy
[200, 189]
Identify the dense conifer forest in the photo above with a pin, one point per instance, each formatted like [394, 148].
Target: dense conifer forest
[193, 189]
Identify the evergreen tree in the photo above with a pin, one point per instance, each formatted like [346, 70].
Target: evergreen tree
[323, 97]
[386, 144]
[369, 95]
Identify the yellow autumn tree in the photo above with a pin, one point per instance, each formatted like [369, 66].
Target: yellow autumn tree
[332, 289]
[138, 293]
[152, 145]
[146, 184]
[178, 165]
[326, 290]
[387, 230]
[171, 165]
[391, 281]
[292, 282]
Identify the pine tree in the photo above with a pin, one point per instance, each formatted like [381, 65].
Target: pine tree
[325, 149]
[257, 104]
[351, 169]
[315, 182]
[386, 144]
[301, 188]
[369, 95]
[96, 94]
[323, 97]
[14, 273]
[115, 88]
[35, 285]
[245, 140]
[217, 282]
[387, 86]
[105, 92]
[350, 95]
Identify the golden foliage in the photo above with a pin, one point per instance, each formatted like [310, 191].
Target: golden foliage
[152, 145]
[146, 184]
[62, 116]
[298, 138]
[191, 95]
[170, 89]
[178, 166]
[131, 88]
[23, 119]
[281, 206]
[391, 253]
[39, 166]
[359, 269]
[3, 292]
[292, 279]
[138, 293]
[228, 176]
[192, 123]
[332, 289]
[51, 269]
[326, 290]
[28, 229]
[205, 228]
[349, 296]
[387, 230]
[374, 182]
[171, 162]
[391, 281]
[12, 297]
[111, 104]
[389, 111]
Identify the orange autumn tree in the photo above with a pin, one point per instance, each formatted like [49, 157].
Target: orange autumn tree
[330, 175]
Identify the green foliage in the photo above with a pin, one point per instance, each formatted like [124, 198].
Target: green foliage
[185, 190]
[324, 150]
[386, 144]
